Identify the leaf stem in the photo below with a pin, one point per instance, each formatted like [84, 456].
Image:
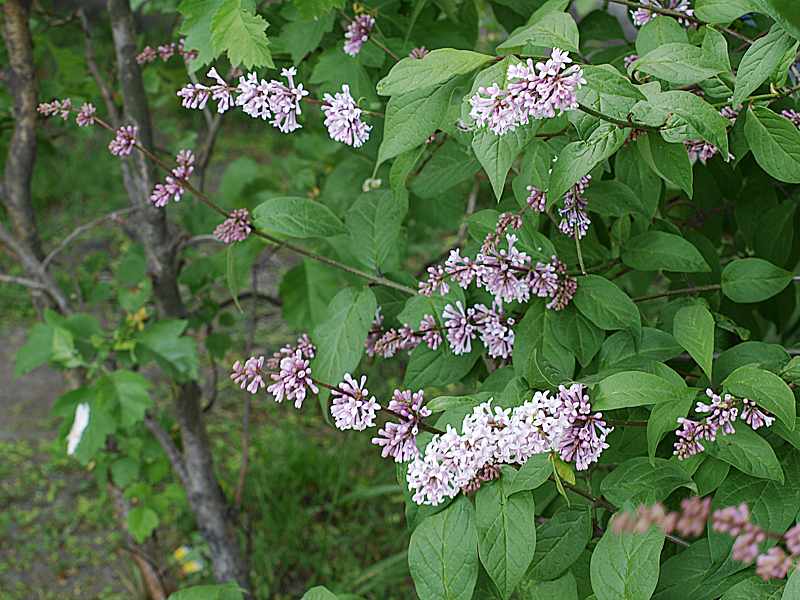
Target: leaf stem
[689, 290]
[618, 122]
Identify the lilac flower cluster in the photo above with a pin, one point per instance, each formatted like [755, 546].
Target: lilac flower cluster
[235, 228]
[288, 369]
[722, 412]
[539, 91]
[399, 440]
[165, 52]
[352, 406]
[792, 115]
[343, 118]
[735, 521]
[387, 343]
[124, 141]
[574, 218]
[508, 274]
[63, 108]
[357, 34]
[491, 324]
[175, 183]
[491, 436]
[642, 16]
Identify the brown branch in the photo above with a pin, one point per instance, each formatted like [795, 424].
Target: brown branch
[21, 78]
[81, 229]
[29, 283]
[169, 447]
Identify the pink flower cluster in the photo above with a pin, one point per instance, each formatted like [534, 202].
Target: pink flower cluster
[539, 91]
[165, 52]
[642, 16]
[399, 440]
[63, 108]
[492, 436]
[353, 407]
[235, 228]
[491, 324]
[574, 218]
[775, 563]
[508, 274]
[792, 115]
[722, 412]
[124, 141]
[357, 34]
[175, 183]
[343, 118]
[387, 343]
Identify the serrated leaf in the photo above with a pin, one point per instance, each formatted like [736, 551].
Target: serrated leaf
[141, 522]
[241, 34]
[436, 68]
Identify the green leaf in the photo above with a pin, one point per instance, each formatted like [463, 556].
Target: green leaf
[693, 328]
[443, 554]
[578, 158]
[563, 588]
[340, 338]
[451, 164]
[657, 33]
[306, 291]
[297, 217]
[753, 280]
[605, 305]
[223, 591]
[664, 419]
[785, 12]
[438, 367]
[374, 221]
[241, 33]
[412, 117]
[129, 391]
[625, 567]
[539, 356]
[792, 589]
[775, 143]
[698, 114]
[766, 389]
[678, 63]
[124, 471]
[497, 153]
[634, 388]
[576, 333]
[141, 522]
[657, 250]
[536, 470]
[438, 66]
[174, 353]
[668, 161]
[759, 61]
[642, 481]
[748, 452]
[302, 37]
[611, 198]
[312, 9]
[722, 11]
[230, 276]
[196, 27]
[37, 350]
[553, 30]
[506, 534]
[560, 541]
[755, 588]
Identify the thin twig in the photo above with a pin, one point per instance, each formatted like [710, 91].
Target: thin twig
[690, 290]
[23, 281]
[81, 229]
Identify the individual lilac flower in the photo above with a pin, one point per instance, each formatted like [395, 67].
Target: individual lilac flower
[220, 91]
[729, 113]
[375, 333]
[642, 16]
[62, 108]
[418, 53]
[305, 347]
[430, 332]
[398, 440]
[574, 218]
[284, 101]
[249, 375]
[435, 282]
[693, 517]
[775, 564]
[629, 60]
[353, 407]
[253, 96]
[493, 107]
[85, 116]
[792, 115]
[147, 55]
[700, 150]
[194, 96]
[585, 439]
[537, 199]
[79, 424]
[461, 268]
[293, 381]
[460, 329]
[722, 412]
[792, 540]
[357, 34]
[343, 118]
[754, 416]
[124, 140]
[235, 228]
[495, 330]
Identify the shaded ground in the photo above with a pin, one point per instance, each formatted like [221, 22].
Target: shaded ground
[53, 523]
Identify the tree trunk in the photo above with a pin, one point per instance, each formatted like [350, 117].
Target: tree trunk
[22, 148]
[206, 498]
